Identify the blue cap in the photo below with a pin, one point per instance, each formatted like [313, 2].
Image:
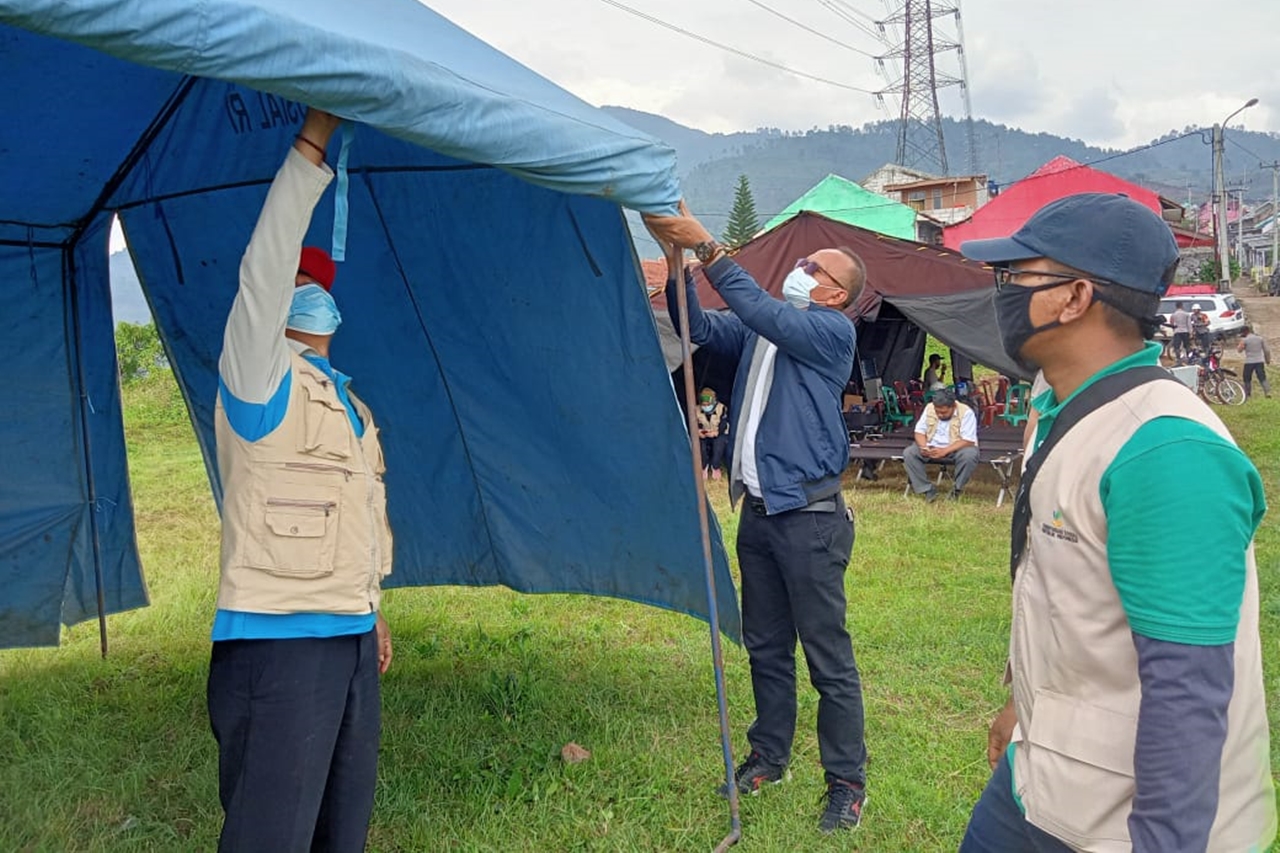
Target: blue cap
[1107, 235]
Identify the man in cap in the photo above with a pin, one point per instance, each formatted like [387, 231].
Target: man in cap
[1138, 717]
[298, 640]
[795, 535]
[947, 432]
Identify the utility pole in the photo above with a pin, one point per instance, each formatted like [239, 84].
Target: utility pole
[1220, 199]
[1220, 209]
[1275, 212]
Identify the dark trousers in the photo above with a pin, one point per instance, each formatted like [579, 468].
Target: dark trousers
[297, 723]
[793, 567]
[1181, 343]
[965, 461]
[997, 825]
[713, 451]
[1256, 369]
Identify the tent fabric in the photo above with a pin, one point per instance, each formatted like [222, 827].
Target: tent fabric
[1060, 177]
[845, 201]
[393, 64]
[947, 295]
[489, 321]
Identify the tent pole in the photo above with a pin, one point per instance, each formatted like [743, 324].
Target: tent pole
[717, 656]
[85, 408]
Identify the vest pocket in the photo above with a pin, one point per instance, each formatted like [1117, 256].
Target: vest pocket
[298, 537]
[1079, 767]
[326, 430]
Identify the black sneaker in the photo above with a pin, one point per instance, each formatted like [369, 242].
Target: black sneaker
[955, 495]
[931, 495]
[844, 806]
[754, 772]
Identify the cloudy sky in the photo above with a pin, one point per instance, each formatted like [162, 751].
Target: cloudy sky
[1115, 73]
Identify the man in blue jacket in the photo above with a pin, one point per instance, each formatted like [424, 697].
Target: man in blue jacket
[789, 448]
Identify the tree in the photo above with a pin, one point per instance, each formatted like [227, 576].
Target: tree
[743, 223]
[138, 350]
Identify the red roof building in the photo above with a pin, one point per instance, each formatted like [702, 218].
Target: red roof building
[1061, 177]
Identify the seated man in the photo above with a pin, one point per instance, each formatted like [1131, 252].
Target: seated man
[713, 432]
[946, 432]
[935, 374]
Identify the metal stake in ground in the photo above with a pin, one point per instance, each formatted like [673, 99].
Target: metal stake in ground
[675, 269]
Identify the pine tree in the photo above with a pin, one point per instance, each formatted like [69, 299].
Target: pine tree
[743, 223]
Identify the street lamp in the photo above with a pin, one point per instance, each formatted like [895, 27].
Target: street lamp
[1220, 199]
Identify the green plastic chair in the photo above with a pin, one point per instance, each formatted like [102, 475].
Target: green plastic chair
[893, 408]
[1017, 404]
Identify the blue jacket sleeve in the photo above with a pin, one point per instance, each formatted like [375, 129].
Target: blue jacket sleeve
[1182, 725]
[721, 333]
[822, 338]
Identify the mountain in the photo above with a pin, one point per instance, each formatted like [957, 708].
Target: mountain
[781, 165]
[127, 302]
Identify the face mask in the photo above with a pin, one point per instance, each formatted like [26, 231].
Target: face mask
[313, 310]
[1013, 316]
[796, 287]
[708, 407]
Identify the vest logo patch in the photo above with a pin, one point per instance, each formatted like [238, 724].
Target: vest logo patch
[1057, 530]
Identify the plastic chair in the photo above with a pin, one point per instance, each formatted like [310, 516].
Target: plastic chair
[1017, 404]
[893, 411]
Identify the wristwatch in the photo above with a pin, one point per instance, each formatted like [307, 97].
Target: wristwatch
[707, 250]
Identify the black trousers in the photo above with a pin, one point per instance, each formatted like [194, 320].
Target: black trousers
[713, 451]
[297, 723]
[793, 567]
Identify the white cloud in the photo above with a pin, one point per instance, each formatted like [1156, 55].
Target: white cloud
[1115, 74]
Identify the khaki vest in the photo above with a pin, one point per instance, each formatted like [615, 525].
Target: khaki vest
[1074, 667]
[711, 422]
[953, 426]
[304, 509]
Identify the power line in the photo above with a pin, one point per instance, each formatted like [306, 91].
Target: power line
[848, 18]
[810, 29]
[744, 54]
[1242, 148]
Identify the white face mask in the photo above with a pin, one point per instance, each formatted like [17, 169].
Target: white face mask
[796, 287]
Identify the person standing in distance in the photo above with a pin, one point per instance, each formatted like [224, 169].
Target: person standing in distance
[299, 643]
[789, 449]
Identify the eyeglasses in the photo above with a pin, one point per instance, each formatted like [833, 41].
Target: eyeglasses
[810, 267]
[1005, 277]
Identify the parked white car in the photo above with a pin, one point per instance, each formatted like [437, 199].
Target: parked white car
[1226, 315]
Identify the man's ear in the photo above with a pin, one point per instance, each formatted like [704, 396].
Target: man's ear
[1078, 302]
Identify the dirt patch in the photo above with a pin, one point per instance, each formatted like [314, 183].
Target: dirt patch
[1263, 314]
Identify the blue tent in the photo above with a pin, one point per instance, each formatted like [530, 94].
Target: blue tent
[495, 317]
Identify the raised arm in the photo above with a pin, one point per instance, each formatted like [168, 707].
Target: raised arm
[255, 357]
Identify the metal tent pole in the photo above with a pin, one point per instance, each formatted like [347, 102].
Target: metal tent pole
[717, 656]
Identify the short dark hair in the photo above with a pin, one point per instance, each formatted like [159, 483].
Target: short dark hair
[1177, 305]
[933, 356]
[854, 288]
[1127, 311]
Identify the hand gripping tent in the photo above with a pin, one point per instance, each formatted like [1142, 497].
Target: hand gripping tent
[494, 313]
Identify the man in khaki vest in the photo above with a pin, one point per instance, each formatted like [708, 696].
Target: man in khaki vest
[1138, 718]
[946, 432]
[298, 640]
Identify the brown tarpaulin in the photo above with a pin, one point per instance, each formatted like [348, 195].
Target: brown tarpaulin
[935, 288]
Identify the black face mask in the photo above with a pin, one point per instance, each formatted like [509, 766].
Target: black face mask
[1013, 316]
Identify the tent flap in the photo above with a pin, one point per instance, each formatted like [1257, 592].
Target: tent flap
[494, 318]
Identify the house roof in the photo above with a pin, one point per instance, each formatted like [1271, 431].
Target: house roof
[845, 201]
[929, 182]
[1056, 179]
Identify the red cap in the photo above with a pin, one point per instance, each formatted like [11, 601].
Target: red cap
[316, 263]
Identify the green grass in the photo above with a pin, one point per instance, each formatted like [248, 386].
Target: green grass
[488, 685]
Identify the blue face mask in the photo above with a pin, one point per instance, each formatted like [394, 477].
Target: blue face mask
[313, 311]
[796, 287]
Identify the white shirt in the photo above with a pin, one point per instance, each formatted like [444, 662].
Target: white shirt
[751, 418]
[942, 433]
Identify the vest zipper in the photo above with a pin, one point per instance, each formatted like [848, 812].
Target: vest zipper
[318, 466]
[327, 506]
